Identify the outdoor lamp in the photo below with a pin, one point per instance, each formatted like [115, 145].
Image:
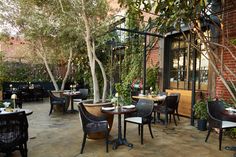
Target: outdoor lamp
[14, 97]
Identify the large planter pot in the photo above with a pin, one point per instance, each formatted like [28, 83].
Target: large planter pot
[58, 108]
[95, 109]
[202, 124]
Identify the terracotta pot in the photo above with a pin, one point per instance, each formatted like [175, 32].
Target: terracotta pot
[95, 109]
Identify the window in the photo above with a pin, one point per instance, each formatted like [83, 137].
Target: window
[181, 64]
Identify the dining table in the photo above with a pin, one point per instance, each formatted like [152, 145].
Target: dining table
[229, 114]
[119, 111]
[70, 95]
[155, 98]
[9, 110]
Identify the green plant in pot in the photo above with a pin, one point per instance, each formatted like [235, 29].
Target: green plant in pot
[200, 109]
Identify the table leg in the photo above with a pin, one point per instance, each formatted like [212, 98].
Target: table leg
[120, 141]
[72, 106]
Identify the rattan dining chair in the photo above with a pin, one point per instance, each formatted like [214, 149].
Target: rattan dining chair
[56, 101]
[168, 108]
[216, 119]
[92, 124]
[13, 133]
[82, 96]
[142, 117]
[177, 104]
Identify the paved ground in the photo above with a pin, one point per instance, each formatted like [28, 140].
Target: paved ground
[61, 136]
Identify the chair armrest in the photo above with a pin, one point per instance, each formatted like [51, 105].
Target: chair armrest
[94, 118]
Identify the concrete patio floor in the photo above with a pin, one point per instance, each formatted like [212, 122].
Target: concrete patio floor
[61, 135]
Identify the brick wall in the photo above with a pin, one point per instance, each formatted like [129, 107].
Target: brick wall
[152, 57]
[229, 24]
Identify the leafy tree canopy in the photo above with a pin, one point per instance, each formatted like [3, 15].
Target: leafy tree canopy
[169, 14]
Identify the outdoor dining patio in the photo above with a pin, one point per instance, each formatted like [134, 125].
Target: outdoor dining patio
[99, 78]
[60, 135]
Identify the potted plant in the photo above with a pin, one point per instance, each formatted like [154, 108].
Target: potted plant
[200, 109]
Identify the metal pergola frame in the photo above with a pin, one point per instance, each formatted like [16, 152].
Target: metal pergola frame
[145, 34]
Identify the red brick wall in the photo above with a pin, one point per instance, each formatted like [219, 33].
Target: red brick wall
[229, 24]
[152, 57]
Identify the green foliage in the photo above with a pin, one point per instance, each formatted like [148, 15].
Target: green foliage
[172, 14]
[82, 73]
[10, 106]
[152, 74]
[200, 109]
[25, 72]
[233, 41]
[124, 92]
[1, 105]
[231, 132]
[232, 86]
[4, 36]
[2, 70]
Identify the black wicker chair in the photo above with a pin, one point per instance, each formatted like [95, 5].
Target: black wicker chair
[92, 124]
[177, 104]
[141, 117]
[216, 119]
[82, 96]
[38, 92]
[13, 133]
[25, 92]
[168, 108]
[54, 100]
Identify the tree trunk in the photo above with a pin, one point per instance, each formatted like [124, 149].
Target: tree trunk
[67, 71]
[91, 57]
[103, 74]
[51, 75]
[38, 52]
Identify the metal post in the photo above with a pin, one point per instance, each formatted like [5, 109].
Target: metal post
[193, 83]
[144, 63]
